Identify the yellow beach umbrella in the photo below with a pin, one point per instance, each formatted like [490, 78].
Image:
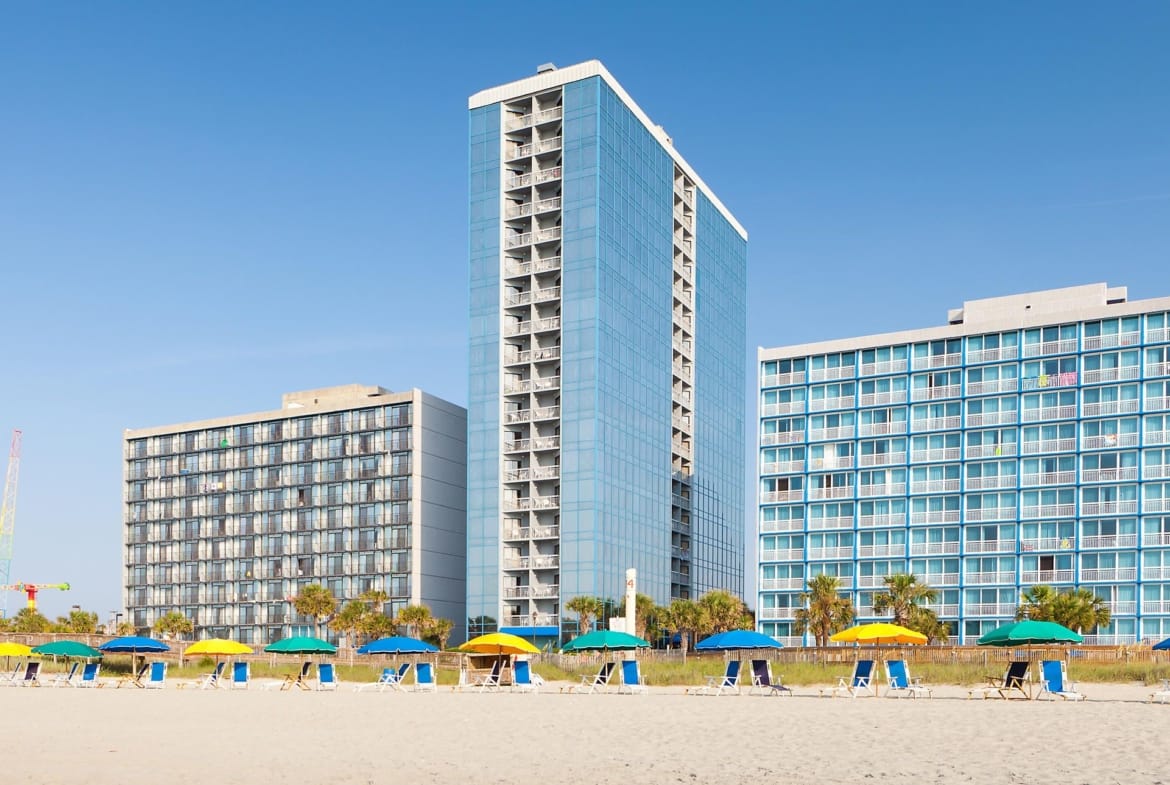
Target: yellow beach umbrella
[10, 649]
[217, 647]
[499, 643]
[878, 633]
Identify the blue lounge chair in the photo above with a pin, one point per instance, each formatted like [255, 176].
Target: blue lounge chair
[762, 680]
[491, 681]
[32, 675]
[241, 671]
[1055, 683]
[326, 680]
[522, 680]
[65, 678]
[211, 680]
[898, 681]
[1013, 681]
[158, 676]
[859, 683]
[728, 682]
[632, 681]
[89, 675]
[598, 682]
[424, 678]
[390, 678]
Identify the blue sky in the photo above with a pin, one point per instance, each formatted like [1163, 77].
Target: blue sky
[204, 205]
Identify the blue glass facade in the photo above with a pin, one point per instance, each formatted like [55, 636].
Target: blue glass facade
[584, 329]
[984, 462]
[483, 420]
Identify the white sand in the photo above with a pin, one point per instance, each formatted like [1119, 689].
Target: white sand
[173, 736]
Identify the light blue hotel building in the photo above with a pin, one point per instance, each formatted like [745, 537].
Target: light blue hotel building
[1026, 442]
[607, 368]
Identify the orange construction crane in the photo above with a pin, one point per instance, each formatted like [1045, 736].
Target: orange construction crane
[31, 589]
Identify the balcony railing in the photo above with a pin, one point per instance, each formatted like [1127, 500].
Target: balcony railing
[1110, 407]
[839, 492]
[991, 418]
[532, 473]
[885, 367]
[1155, 573]
[1156, 505]
[883, 398]
[533, 503]
[771, 497]
[1157, 369]
[1109, 508]
[934, 393]
[990, 609]
[782, 467]
[777, 613]
[782, 525]
[1046, 576]
[939, 454]
[1109, 574]
[1048, 413]
[1048, 445]
[935, 516]
[934, 548]
[941, 579]
[936, 423]
[1048, 510]
[1050, 347]
[1109, 475]
[780, 379]
[781, 584]
[991, 450]
[1157, 403]
[1049, 478]
[872, 521]
[837, 372]
[842, 552]
[882, 459]
[1155, 606]
[992, 355]
[841, 402]
[936, 361]
[1109, 541]
[839, 522]
[1158, 334]
[888, 489]
[992, 387]
[990, 546]
[781, 437]
[881, 428]
[824, 434]
[1109, 341]
[1002, 576]
[991, 483]
[788, 407]
[1156, 538]
[934, 486]
[1121, 373]
[535, 118]
[881, 551]
[1157, 437]
[782, 554]
[532, 563]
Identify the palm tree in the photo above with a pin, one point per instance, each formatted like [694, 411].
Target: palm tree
[415, 618]
[350, 620]
[644, 615]
[825, 611]
[1080, 610]
[686, 618]
[1036, 603]
[317, 601]
[78, 622]
[902, 595]
[30, 620]
[722, 611]
[439, 631]
[587, 609]
[926, 621]
[174, 623]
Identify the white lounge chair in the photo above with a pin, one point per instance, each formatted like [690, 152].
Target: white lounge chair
[1014, 680]
[210, 681]
[491, 681]
[728, 682]
[632, 681]
[89, 675]
[65, 678]
[598, 682]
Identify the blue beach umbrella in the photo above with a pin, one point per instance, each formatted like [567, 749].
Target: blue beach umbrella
[397, 644]
[133, 644]
[1163, 646]
[733, 640]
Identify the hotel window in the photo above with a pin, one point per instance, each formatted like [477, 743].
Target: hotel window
[886, 359]
[1057, 470]
[1050, 340]
[304, 427]
[274, 430]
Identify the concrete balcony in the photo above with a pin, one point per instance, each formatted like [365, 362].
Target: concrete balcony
[782, 525]
[789, 407]
[935, 361]
[935, 393]
[782, 584]
[948, 547]
[991, 483]
[990, 609]
[1155, 573]
[785, 437]
[1109, 475]
[884, 367]
[1110, 341]
[1048, 511]
[1158, 505]
[782, 554]
[882, 459]
[772, 497]
[991, 450]
[993, 387]
[824, 404]
[883, 398]
[843, 492]
[820, 554]
[831, 523]
[782, 379]
[826, 374]
[874, 521]
[935, 486]
[889, 489]
[1048, 413]
[881, 551]
[936, 424]
[515, 123]
[767, 614]
[1109, 508]
[1048, 445]
[827, 434]
[982, 578]
[1110, 541]
[993, 355]
[782, 467]
[881, 428]
[1110, 407]
[1122, 373]
[991, 418]
[940, 454]
[990, 546]
[1109, 574]
[550, 324]
[935, 516]
[1064, 346]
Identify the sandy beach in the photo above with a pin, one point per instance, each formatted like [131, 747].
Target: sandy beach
[130, 736]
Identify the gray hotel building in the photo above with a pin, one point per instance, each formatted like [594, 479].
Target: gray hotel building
[352, 487]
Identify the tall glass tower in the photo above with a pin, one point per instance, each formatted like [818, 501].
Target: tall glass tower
[608, 334]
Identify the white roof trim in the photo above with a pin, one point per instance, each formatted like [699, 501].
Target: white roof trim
[575, 73]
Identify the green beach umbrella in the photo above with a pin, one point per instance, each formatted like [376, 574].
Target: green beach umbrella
[1028, 632]
[605, 640]
[66, 649]
[301, 645]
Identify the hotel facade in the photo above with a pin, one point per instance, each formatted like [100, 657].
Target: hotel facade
[1026, 442]
[607, 358]
[356, 488]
